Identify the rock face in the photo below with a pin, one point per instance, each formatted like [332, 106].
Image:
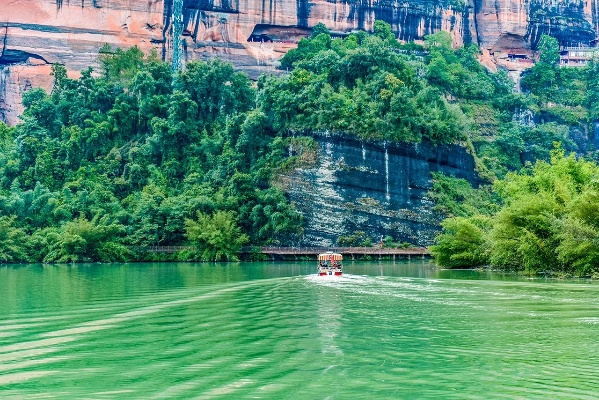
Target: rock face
[373, 187]
[254, 35]
[36, 33]
[571, 22]
[14, 81]
[265, 30]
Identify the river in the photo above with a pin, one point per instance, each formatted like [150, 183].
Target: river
[275, 330]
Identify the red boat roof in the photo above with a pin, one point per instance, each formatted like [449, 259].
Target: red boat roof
[330, 256]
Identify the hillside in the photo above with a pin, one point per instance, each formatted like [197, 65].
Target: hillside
[137, 156]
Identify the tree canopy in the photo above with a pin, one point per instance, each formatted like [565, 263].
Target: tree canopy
[131, 155]
[546, 220]
[111, 162]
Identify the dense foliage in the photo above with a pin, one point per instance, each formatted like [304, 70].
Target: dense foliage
[540, 218]
[131, 156]
[548, 220]
[371, 86]
[361, 84]
[104, 165]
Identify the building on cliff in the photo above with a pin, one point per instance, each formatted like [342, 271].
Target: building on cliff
[578, 56]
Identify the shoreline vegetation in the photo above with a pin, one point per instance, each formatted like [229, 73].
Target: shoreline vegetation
[135, 155]
[546, 217]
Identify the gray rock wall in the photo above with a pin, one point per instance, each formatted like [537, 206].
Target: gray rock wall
[373, 187]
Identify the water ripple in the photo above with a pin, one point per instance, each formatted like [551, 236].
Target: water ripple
[306, 337]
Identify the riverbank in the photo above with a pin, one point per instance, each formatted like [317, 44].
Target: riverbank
[263, 253]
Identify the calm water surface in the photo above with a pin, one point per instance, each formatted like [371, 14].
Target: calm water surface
[274, 330]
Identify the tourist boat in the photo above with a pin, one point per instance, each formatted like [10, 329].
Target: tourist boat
[329, 263]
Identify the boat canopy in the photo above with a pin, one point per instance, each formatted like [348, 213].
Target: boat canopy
[330, 256]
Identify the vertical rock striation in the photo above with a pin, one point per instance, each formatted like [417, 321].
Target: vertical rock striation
[373, 187]
[71, 32]
[571, 22]
[254, 34]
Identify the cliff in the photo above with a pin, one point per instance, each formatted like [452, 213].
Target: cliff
[254, 35]
[37, 33]
[373, 187]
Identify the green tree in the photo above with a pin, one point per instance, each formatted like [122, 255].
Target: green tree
[549, 51]
[217, 236]
[121, 65]
[13, 241]
[356, 238]
[318, 29]
[216, 88]
[578, 246]
[592, 94]
[546, 220]
[82, 240]
[541, 79]
[383, 30]
[441, 39]
[462, 243]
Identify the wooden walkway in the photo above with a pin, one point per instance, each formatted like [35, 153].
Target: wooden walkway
[304, 251]
[358, 251]
[348, 252]
[161, 249]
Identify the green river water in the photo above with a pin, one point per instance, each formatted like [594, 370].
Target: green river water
[275, 330]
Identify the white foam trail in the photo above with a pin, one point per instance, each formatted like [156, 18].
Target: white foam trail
[30, 363]
[410, 290]
[34, 344]
[17, 355]
[589, 320]
[226, 389]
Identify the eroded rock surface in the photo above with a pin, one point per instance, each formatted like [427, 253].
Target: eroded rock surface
[377, 188]
[255, 34]
[14, 81]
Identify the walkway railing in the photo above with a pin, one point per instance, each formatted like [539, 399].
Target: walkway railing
[161, 249]
[271, 250]
[344, 250]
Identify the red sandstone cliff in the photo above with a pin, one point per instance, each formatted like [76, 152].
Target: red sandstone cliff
[254, 35]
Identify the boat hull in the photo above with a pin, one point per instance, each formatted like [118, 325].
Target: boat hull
[329, 272]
